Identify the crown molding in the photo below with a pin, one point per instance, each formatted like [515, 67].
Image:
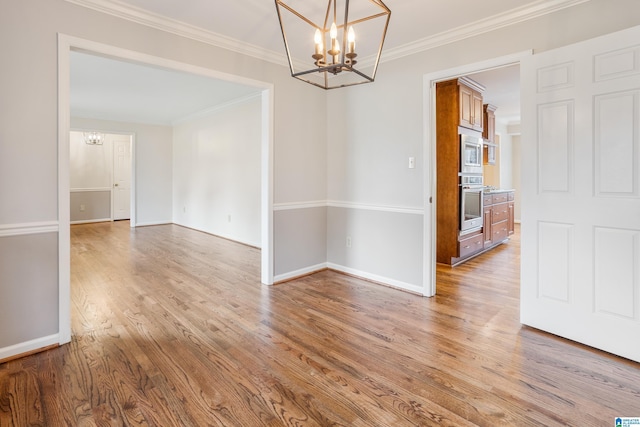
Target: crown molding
[141, 16]
[144, 17]
[510, 17]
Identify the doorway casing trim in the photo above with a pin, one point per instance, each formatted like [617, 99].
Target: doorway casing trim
[68, 43]
[429, 147]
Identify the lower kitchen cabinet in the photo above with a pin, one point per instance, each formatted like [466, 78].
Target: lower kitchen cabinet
[468, 245]
[498, 217]
[498, 224]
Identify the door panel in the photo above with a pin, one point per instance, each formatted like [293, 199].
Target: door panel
[581, 192]
[121, 177]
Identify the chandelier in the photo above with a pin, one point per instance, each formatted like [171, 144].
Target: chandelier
[320, 39]
[93, 138]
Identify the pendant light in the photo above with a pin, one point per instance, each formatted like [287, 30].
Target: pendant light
[320, 39]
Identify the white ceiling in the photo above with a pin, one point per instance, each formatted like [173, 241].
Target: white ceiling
[115, 90]
[109, 89]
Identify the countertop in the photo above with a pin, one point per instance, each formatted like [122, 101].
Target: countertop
[496, 190]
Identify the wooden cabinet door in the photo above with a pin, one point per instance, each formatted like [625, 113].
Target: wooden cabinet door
[466, 106]
[476, 110]
[486, 226]
[511, 227]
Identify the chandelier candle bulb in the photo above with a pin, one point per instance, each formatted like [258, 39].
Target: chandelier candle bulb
[352, 40]
[318, 41]
[335, 47]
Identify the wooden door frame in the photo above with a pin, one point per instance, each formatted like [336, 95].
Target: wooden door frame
[429, 148]
[66, 44]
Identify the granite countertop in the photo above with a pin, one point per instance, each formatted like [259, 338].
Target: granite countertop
[491, 190]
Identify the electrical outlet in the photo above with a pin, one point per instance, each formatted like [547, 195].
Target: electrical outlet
[348, 241]
[412, 162]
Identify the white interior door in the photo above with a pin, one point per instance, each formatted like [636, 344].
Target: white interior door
[581, 192]
[121, 176]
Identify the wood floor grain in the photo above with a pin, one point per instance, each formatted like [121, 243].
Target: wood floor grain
[171, 327]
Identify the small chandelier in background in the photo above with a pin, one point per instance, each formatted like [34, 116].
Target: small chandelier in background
[325, 31]
[93, 138]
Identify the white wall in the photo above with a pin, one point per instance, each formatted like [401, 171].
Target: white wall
[516, 158]
[91, 166]
[152, 166]
[90, 177]
[506, 166]
[217, 171]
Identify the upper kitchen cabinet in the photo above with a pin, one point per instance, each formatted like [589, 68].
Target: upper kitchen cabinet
[489, 134]
[471, 112]
[489, 131]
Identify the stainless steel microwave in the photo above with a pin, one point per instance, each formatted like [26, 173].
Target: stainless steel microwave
[470, 154]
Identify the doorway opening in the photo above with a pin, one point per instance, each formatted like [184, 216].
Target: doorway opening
[482, 70]
[67, 45]
[101, 177]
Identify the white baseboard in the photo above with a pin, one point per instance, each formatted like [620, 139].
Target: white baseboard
[28, 346]
[90, 221]
[147, 224]
[221, 235]
[352, 272]
[380, 279]
[301, 272]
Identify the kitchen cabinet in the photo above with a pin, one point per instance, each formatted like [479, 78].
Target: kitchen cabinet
[489, 134]
[511, 225]
[499, 217]
[489, 129]
[471, 109]
[486, 224]
[456, 114]
[469, 245]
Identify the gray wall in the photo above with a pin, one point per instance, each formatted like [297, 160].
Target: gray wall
[28, 287]
[90, 205]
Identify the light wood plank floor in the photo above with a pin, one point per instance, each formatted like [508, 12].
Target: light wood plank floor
[171, 327]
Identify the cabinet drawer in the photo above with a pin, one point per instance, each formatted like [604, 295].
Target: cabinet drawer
[500, 231]
[470, 245]
[511, 196]
[499, 198]
[487, 200]
[499, 213]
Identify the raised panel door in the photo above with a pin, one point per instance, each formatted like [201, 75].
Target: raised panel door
[580, 107]
[486, 226]
[511, 220]
[477, 111]
[466, 106]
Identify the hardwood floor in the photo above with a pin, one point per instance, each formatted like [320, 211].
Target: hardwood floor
[171, 327]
